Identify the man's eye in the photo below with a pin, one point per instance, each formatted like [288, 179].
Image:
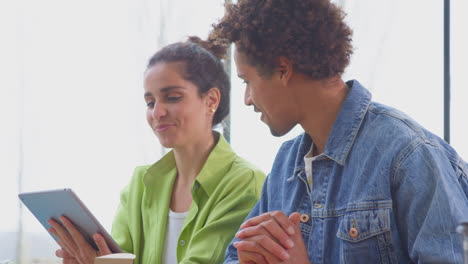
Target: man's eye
[150, 105]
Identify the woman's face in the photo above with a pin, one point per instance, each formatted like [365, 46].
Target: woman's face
[175, 111]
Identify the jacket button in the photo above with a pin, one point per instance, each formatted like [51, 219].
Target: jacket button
[318, 205]
[353, 232]
[182, 243]
[304, 218]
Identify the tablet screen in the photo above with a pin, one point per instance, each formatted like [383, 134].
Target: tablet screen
[52, 204]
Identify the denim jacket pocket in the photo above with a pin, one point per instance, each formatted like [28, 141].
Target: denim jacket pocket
[365, 235]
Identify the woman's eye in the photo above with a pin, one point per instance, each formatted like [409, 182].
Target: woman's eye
[173, 98]
[246, 82]
[150, 104]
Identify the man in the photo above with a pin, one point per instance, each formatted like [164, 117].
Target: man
[364, 183]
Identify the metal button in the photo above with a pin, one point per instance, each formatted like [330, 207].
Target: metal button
[304, 218]
[318, 205]
[182, 243]
[353, 232]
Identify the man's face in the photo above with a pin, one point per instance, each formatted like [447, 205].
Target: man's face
[268, 95]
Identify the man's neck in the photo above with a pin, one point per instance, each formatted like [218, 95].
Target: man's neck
[319, 103]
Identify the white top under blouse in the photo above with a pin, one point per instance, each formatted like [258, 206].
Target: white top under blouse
[175, 222]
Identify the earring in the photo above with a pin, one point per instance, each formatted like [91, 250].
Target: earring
[213, 110]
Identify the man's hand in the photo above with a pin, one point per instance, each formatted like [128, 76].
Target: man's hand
[298, 253]
[271, 238]
[74, 248]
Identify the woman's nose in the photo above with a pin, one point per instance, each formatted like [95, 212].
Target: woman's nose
[158, 111]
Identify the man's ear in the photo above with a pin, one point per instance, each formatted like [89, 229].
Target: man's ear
[284, 69]
[212, 99]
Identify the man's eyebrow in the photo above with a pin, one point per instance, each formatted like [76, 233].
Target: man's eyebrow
[165, 90]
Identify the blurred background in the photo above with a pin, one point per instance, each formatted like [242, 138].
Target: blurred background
[72, 112]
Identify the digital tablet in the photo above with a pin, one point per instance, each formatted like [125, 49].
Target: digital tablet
[52, 204]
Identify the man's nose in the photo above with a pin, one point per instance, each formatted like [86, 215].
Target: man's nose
[247, 98]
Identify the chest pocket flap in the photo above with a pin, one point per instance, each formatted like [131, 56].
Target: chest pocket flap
[360, 224]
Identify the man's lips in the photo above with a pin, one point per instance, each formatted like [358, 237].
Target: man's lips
[256, 110]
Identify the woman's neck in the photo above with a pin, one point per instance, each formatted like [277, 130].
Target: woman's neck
[190, 159]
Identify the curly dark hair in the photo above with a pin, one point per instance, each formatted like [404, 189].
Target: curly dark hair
[202, 66]
[312, 34]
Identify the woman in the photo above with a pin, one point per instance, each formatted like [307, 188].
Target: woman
[186, 207]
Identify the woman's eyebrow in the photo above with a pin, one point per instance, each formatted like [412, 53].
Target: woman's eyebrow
[170, 88]
[165, 90]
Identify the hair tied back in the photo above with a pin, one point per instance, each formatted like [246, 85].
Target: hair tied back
[217, 49]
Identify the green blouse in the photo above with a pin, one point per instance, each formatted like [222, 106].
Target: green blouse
[223, 194]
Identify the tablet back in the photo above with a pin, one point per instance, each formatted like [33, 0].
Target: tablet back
[52, 204]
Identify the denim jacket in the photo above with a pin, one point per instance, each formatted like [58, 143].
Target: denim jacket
[385, 190]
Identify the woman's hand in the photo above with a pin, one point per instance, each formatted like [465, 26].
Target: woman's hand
[74, 247]
[67, 257]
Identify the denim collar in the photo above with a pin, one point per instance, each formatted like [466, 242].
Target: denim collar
[345, 128]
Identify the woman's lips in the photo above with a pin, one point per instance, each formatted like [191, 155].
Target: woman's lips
[163, 127]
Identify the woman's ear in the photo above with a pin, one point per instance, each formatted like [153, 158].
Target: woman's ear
[212, 98]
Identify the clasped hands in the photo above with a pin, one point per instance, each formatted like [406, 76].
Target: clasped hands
[271, 237]
[268, 238]
[74, 247]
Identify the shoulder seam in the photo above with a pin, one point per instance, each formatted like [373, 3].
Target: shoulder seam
[417, 131]
[404, 154]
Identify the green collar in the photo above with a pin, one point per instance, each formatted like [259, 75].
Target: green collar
[218, 163]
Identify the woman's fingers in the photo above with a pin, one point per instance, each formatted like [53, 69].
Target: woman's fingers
[77, 237]
[66, 256]
[63, 237]
[62, 253]
[70, 261]
[75, 248]
[102, 245]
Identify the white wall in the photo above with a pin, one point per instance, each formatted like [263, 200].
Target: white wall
[71, 102]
